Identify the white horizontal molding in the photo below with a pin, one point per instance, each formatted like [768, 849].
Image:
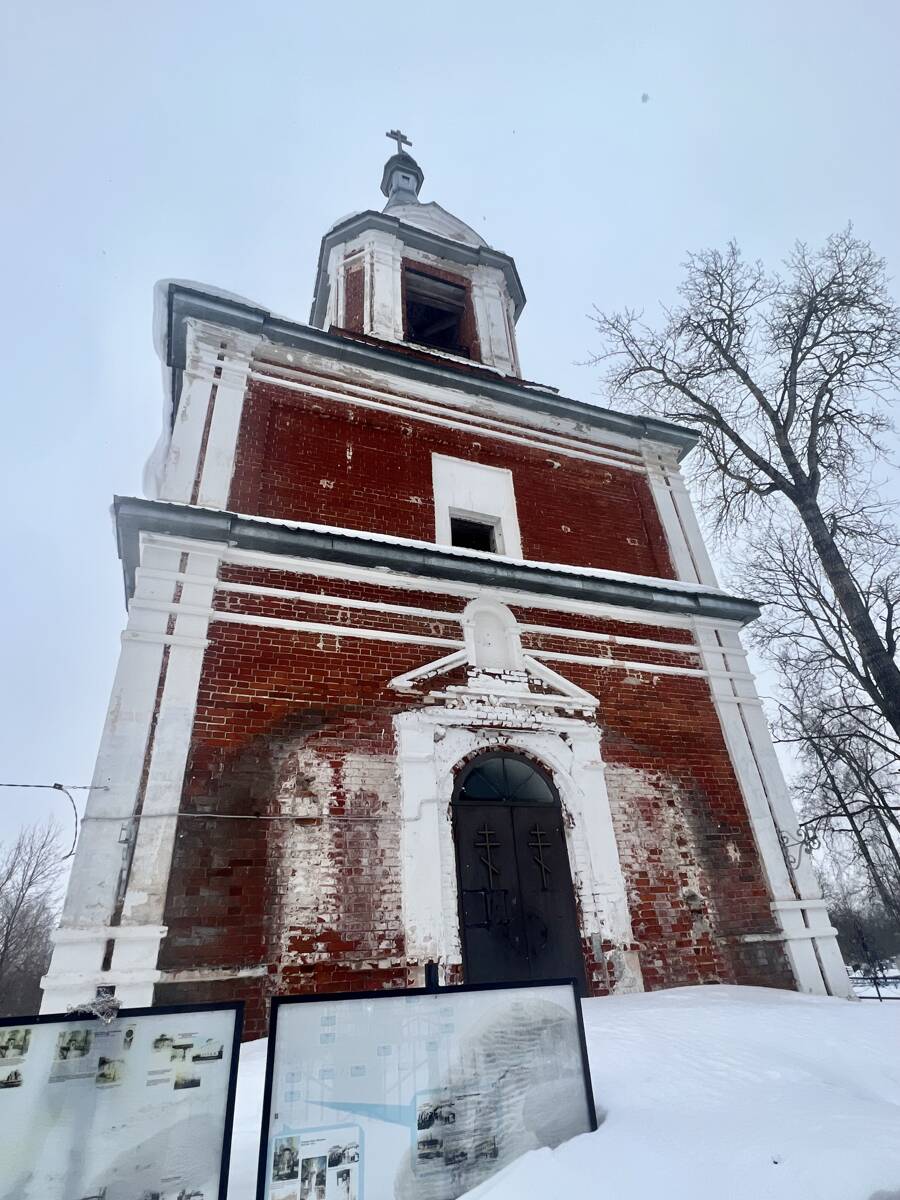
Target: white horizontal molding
[162, 639]
[474, 699]
[794, 905]
[458, 402]
[86, 981]
[464, 426]
[387, 635]
[66, 935]
[621, 664]
[433, 614]
[398, 581]
[580, 442]
[741, 701]
[799, 935]
[212, 974]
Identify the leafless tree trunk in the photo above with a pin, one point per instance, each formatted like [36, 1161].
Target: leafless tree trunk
[849, 783]
[29, 875]
[785, 379]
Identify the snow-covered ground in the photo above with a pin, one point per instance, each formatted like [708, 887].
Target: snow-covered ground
[706, 1093]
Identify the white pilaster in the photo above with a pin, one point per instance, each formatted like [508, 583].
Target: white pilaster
[495, 334]
[95, 886]
[679, 520]
[200, 458]
[384, 294]
[228, 406]
[148, 879]
[334, 310]
[797, 904]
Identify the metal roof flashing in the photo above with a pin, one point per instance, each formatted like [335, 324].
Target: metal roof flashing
[402, 556]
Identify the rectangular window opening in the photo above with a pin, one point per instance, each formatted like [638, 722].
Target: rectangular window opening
[473, 535]
[434, 313]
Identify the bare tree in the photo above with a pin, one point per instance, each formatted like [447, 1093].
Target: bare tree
[868, 934]
[847, 792]
[848, 788]
[29, 876]
[786, 379]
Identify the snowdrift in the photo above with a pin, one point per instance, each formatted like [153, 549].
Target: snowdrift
[704, 1093]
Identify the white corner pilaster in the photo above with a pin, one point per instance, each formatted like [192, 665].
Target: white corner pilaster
[200, 458]
[797, 905]
[679, 520]
[337, 273]
[383, 292]
[495, 333]
[217, 459]
[148, 879]
[148, 729]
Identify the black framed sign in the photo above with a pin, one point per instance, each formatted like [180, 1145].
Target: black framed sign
[418, 1094]
[139, 1108]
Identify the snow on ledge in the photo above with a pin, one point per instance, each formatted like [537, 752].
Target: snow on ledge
[670, 585]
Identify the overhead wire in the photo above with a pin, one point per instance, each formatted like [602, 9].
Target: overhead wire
[67, 790]
[209, 816]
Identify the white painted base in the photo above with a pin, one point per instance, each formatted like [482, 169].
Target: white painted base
[77, 961]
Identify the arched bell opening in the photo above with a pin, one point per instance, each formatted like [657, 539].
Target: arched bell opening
[517, 913]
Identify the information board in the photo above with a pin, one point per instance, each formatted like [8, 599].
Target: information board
[137, 1109]
[418, 1095]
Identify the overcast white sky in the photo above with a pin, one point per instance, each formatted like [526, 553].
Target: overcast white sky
[218, 141]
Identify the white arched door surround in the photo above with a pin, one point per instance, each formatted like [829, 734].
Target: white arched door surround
[431, 744]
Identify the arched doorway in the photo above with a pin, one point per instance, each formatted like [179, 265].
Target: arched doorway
[517, 912]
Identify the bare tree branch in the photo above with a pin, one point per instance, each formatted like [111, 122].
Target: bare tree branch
[29, 876]
[785, 378]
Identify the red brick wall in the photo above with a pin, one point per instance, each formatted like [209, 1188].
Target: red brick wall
[297, 725]
[354, 299]
[306, 458]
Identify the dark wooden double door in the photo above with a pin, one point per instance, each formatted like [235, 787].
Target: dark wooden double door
[518, 919]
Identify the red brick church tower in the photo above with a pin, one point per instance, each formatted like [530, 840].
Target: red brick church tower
[423, 663]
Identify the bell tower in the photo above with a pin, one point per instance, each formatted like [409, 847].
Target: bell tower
[416, 274]
[423, 663]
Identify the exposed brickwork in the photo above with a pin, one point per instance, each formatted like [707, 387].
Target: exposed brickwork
[308, 458]
[354, 298]
[255, 994]
[298, 725]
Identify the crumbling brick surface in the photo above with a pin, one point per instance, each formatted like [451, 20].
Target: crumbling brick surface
[354, 298]
[294, 728]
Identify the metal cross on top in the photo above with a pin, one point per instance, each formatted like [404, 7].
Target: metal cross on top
[400, 138]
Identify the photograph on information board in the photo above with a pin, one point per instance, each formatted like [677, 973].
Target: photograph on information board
[139, 1108]
[418, 1095]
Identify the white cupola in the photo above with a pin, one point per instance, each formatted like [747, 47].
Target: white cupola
[415, 274]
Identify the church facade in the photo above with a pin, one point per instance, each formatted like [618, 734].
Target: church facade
[424, 663]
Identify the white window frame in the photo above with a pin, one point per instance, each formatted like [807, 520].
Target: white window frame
[475, 492]
[495, 523]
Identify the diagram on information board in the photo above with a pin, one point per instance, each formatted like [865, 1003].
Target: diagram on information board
[438, 1091]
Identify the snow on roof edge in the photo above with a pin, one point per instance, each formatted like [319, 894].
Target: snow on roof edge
[673, 585]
